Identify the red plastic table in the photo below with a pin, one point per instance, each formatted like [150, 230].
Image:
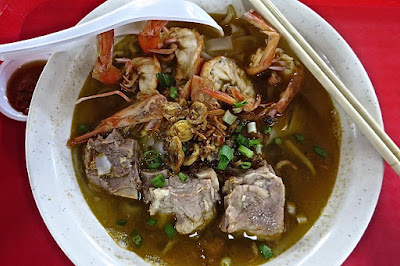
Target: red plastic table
[371, 27]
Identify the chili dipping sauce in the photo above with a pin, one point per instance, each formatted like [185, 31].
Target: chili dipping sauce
[22, 83]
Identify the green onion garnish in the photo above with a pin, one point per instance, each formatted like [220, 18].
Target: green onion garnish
[320, 151]
[184, 149]
[225, 155]
[278, 141]
[246, 151]
[121, 222]
[136, 238]
[240, 104]
[245, 165]
[165, 80]
[266, 129]
[158, 181]
[252, 127]
[241, 140]
[299, 137]
[239, 129]
[154, 165]
[182, 176]
[173, 92]
[152, 159]
[266, 251]
[254, 142]
[169, 230]
[150, 155]
[229, 118]
[83, 129]
[151, 221]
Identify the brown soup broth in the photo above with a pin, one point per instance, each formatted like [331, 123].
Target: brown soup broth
[320, 126]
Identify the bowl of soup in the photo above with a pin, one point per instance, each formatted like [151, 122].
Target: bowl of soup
[201, 148]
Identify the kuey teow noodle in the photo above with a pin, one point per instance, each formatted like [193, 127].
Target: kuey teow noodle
[194, 149]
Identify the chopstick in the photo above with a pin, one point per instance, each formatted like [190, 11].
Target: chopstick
[333, 85]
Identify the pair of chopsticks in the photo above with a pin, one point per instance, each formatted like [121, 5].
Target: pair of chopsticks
[335, 87]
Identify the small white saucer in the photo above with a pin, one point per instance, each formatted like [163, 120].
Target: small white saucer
[6, 70]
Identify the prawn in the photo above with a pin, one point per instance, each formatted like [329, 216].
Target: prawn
[104, 71]
[288, 94]
[188, 47]
[152, 37]
[262, 59]
[137, 113]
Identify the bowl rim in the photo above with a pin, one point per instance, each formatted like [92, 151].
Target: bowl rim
[72, 249]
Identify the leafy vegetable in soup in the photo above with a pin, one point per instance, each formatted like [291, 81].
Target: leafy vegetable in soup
[196, 149]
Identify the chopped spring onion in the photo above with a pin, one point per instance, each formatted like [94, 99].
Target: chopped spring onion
[299, 137]
[184, 149]
[169, 230]
[153, 159]
[121, 222]
[301, 219]
[226, 261]
[245, 165]
[154, 165]
[237, 110]
[182, 176]
[254, 142]
[166, 80]
[239, 128]
[173, 92]
[320, 151]
[241, 140]
[151, 221]
[150, 155]
[240, 104]
[229, 118]
[278, 141]
[259, 149]
[246, 151]
[266, 251]
[136, 238]
[291, 208]
[226, 151]
[252, 127]
[267, 129]
[158, 181]
[83, 129]
[225, 155]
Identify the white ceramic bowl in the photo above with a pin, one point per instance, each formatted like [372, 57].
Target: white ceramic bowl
[6, 70]
[86, 242]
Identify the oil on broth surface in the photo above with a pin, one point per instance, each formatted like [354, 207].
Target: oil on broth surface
[316, 120]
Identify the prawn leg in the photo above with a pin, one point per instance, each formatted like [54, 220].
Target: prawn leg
[140, 112]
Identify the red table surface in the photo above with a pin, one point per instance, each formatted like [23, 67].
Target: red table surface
[372, 29]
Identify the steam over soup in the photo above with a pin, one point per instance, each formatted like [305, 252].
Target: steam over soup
[194, 149]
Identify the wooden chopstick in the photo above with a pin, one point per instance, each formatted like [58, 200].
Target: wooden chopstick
[335, 87]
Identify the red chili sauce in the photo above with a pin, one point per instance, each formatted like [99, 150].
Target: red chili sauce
[22, 83]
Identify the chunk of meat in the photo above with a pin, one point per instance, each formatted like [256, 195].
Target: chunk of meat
[192, 201]
[111, 163]
[255, 204]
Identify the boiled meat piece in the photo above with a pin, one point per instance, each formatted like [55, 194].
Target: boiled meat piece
[192, 201]
[111, 163]
[254, 204]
